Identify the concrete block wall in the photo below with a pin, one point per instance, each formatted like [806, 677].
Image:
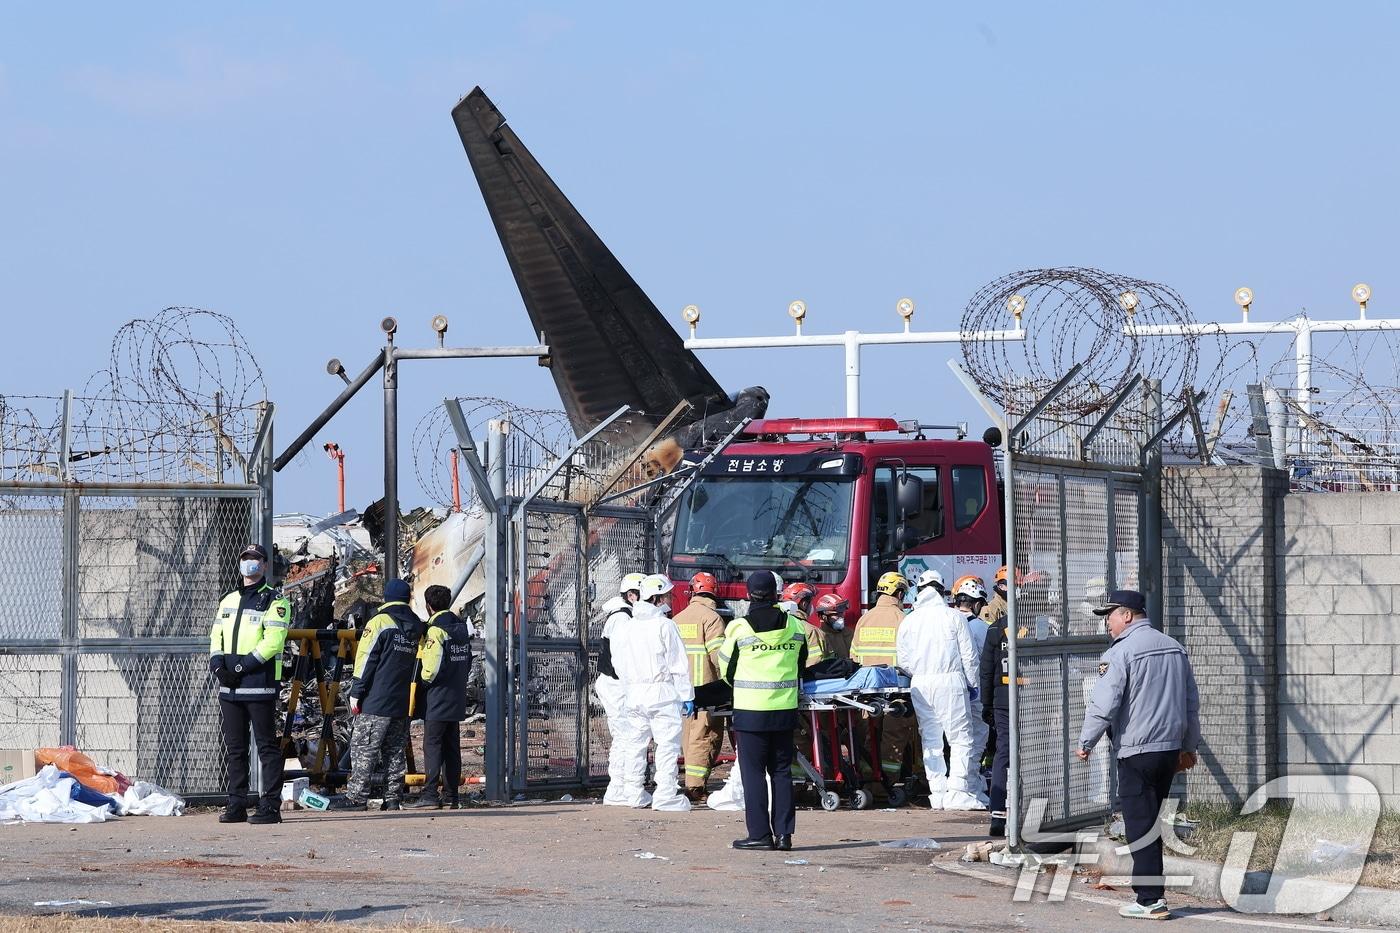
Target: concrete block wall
[1218, 574]
[1339, 658]
[29, 700]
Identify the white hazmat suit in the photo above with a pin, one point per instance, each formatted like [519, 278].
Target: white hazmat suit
[651, 663]
[610, 694]
[934, 646]
[977, 630]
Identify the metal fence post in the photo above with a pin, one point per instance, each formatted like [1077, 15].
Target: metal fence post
[65, 437]
[266, 505]
[68, 664]
[583, 721]
[497, 652]
[68, 686]
[1150, 558]
[1013, 745]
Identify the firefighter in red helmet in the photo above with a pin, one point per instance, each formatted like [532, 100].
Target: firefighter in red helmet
[831, 613]
[702, 632]
[797, 600]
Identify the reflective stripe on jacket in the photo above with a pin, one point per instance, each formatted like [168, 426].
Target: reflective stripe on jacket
[702, 632]
[252, 620]
[767, 664]
[876, 632]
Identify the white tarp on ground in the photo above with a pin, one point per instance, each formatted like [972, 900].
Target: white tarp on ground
[48, 798]
[146, 799]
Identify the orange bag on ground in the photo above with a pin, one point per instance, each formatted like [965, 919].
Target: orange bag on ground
[84, 769]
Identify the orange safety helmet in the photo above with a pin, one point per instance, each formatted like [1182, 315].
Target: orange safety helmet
[704, 584]
[799, 593]
[1001, 574]
[831, 604]
[957, 584]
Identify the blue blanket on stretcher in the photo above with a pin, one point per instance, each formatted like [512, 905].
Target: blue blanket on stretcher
[865, 679]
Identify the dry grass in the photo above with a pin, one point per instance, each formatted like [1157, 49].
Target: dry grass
[65, 923]
[1218, 822]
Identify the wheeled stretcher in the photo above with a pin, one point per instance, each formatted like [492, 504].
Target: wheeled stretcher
[841, 720]
[853, 708]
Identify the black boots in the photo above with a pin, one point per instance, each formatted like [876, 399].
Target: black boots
[233, 814]
[426, 802]
[766, 843]
[266, 813]
[784, 844]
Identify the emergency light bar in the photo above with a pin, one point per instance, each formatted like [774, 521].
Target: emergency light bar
[821, 426]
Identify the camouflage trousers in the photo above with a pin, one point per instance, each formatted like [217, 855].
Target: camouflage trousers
[376, 740]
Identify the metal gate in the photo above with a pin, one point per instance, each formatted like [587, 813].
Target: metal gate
[1076, 537]
[1081, 494]
[571, 561]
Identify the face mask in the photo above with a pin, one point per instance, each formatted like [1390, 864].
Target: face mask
[249, 568]
[838, 624]
[787, 606]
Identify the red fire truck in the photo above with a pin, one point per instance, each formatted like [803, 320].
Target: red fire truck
[837, 502]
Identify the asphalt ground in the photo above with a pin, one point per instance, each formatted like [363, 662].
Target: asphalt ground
[554, 866]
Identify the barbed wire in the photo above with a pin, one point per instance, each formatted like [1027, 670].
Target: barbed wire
[179, 401]
[1075, 314]
[538, 435]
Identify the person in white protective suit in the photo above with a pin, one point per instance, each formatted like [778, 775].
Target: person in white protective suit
[651, 663]
[969, 600]
[608, 687]
[934, 647]
[931, 586]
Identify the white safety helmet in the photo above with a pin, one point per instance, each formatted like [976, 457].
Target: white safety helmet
[656, 585]
[931, 577]
[631, 582]
[972, 589]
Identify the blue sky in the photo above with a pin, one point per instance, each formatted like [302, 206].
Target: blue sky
[296, 167]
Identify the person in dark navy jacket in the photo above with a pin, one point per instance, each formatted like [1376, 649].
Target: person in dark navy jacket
[446, 659]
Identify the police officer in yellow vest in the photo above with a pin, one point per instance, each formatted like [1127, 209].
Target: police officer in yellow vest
[245, 656]
[762, 658]
[874, 643]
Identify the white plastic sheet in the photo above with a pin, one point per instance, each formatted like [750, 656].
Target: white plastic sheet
[146, 799]
[47, 797]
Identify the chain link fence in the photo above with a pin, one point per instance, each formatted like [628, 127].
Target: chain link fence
[115, 558]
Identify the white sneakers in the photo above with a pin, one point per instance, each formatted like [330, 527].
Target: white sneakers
[1154, 911]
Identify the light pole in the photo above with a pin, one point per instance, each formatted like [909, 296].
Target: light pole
[388, 360]
[851, 341]
[1301, 327]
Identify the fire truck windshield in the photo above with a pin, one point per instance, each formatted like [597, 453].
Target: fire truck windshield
[767, 521]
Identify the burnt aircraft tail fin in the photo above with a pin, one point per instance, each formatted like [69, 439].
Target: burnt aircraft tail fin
[609, 345]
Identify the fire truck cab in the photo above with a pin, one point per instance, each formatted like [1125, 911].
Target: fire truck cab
[833, 502]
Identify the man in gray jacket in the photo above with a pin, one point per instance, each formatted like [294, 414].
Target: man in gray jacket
[1146, 700]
